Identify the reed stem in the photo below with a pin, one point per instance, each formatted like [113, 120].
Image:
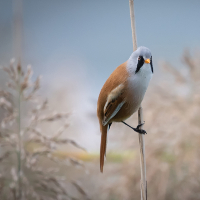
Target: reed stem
[143, 183]
[19, 135]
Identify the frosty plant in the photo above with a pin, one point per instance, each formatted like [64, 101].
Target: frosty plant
[29, 166]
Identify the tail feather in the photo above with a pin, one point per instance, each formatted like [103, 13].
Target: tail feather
[103, 146]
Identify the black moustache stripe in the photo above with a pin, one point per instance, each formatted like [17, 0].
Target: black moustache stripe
[140, 64]
[151, 64]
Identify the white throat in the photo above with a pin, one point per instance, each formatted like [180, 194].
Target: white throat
[138, 82]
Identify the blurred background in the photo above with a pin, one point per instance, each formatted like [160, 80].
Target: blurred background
[75, 46]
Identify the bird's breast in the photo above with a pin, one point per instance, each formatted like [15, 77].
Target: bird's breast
[138, 84]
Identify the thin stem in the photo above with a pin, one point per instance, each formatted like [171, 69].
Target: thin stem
[19, 135]
[140, 116]
[132, 16]
[142, 158]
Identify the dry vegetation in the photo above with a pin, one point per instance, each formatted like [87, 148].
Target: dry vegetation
[30, 168]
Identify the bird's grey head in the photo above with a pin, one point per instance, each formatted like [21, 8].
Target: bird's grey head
[141, 57]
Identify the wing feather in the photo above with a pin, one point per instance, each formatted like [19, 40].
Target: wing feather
[113, 104]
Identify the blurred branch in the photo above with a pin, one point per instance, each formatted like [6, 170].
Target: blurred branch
[30, 180]
[80, 189]
[176, 73]
[19, 133]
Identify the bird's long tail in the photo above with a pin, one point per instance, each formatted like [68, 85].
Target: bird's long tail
[103, 146]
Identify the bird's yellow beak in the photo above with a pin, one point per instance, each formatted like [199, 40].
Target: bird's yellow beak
[147, 61]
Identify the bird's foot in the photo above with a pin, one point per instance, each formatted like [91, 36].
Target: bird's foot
[139, 125]
[137, 129]
[140, 131]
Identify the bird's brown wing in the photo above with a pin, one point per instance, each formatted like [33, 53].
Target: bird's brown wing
[113, 104]
[109, 102]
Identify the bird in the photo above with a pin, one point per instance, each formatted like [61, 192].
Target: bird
[122, 94]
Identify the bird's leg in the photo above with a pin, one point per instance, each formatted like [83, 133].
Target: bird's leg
[137, 129]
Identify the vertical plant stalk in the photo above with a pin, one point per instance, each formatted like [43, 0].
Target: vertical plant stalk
[19, 134]
[17, 49]
[143, 183]
[132, 16]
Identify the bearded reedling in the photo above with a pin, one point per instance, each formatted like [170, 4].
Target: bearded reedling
[123, 93]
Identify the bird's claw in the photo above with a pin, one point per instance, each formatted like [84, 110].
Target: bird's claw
[137, 129]
[140, 131]
[139, 125]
